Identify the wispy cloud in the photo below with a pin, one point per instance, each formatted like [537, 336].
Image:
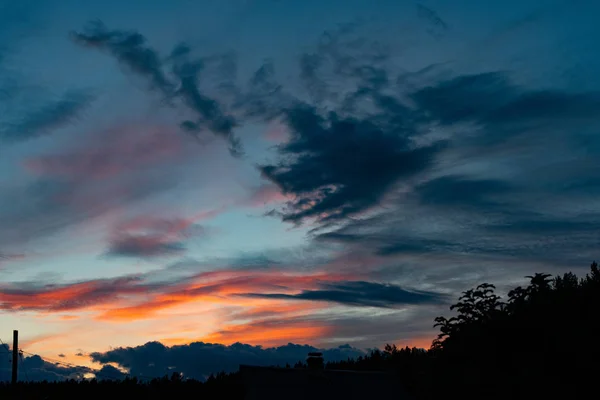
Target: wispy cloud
[109, 169]
[44, 120]
[436, 26]
[180, 83]
[360, 294]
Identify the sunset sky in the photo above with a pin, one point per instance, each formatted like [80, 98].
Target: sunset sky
[267, 172]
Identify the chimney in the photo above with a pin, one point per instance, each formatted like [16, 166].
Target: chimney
[315, 361]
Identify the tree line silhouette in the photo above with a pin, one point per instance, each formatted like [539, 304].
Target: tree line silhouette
[540, 343]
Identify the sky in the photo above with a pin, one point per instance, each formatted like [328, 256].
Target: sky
[246, 180]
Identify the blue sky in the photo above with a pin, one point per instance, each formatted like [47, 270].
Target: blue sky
[267, 172]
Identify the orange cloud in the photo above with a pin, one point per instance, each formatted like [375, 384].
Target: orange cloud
[221, 287]
[269, 333]
[273, 309]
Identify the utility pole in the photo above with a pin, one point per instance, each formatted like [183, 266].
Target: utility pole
[15, 358]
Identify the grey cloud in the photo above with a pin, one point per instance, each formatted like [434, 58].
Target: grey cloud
[153, 237]
[503, 183]
[110, 373]
[143, 246]
[79, 294]
[35, 368]
[459, 191]
[412, 327]
[340, 166]
[366, 294]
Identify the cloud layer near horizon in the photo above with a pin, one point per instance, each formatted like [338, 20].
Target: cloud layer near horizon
[195, 360]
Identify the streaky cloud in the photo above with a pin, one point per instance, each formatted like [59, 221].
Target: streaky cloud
[182, 83]
[48, 118]
[199, 359]
[365, 294]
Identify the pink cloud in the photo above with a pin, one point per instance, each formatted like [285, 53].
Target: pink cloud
[151, 236]
[277, 132]
[110, 153]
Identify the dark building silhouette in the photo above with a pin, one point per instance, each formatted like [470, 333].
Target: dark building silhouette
[315, 361]
[316, 383]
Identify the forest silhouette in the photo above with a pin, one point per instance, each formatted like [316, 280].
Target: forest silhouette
[541, 343]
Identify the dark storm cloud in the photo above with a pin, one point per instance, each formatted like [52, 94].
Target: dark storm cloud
[366, 294]
[198, 360]
[44, 120]
[181, 83]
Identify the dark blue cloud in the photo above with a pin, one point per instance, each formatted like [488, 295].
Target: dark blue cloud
[366, 294]
[143, 247]
[340, 167]
[49, 205]
[436, 26]
[108, 372]
[35, 368]
[508, 166]
[151, 237]
[182, 83]
[198, 360]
